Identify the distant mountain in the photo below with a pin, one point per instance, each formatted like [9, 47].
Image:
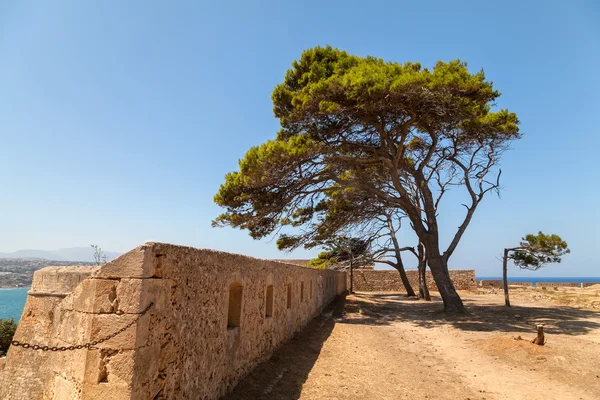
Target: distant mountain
[70, 254]
[36, 254]
[83, 254]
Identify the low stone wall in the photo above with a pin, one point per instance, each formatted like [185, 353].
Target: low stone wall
[496, 283]
[215, 316]
[588, 284]
[389, 280]
[558, 284]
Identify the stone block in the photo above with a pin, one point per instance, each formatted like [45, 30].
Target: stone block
[93, 296]
[104, 391]
[110, 367]
[59, 280]
[138, 263]
[72, 328]
[64, 388]
[103, 325]
[134, 295]
[148, 365]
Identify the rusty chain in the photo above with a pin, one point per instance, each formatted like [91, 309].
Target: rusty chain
[89, 345]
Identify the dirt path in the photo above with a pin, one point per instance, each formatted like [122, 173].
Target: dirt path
[385, 346]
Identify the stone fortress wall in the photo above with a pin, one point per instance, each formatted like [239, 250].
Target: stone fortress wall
[368, 280]
[214, 317]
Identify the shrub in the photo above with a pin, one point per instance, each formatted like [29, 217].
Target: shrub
[7, 331]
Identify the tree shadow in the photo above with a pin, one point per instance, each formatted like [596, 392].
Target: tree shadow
[387, 309]
[282, 376]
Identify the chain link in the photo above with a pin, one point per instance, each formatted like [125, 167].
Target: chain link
[89, 345]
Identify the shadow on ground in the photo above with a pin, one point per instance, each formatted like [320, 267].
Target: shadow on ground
[282, 376]
[389, 308]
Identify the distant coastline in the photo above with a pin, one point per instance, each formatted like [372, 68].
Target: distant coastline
[18, 272]
[565, 279]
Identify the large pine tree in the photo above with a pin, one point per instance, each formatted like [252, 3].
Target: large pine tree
[400, 133]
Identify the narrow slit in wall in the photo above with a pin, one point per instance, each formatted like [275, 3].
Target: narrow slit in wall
[234, 314]
[269, 305]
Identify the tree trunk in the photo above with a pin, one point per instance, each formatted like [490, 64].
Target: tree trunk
[399, 264]
[441, 276]
[423, 292]
[422, 268]
[351, 276]
[505, 277]
[409, 290]
[539, 339]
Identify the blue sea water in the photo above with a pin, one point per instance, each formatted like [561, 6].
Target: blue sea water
[12, 302]
[542, 279]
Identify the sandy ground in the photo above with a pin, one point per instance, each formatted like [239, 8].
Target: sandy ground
[386, 346]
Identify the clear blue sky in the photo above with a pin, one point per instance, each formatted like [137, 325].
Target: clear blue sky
[118, 120]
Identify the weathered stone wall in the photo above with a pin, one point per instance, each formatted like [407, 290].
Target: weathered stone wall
[26, 372]
[497, 283]
[518, 284]
[588, 284]
[557, 284]
[389, 280]
[183, 347]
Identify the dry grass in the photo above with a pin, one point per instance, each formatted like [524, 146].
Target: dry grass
[586, 298]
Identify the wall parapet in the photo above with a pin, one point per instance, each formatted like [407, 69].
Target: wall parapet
[558, 284]
[215, 316]
[389, 280]
[59, 281]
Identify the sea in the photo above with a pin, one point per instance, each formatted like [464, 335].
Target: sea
[12, 302]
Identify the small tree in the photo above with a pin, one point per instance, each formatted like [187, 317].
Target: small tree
[534, 252]
[100, 258]
[387, 226]
[8, 327]
[344, 252]
[353, 213]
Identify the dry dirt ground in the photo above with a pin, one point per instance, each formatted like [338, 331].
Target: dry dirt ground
[387, 346]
